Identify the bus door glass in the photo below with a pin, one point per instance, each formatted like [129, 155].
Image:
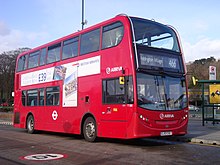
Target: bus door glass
[117, 93]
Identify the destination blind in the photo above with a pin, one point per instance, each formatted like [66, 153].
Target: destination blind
[159, 61]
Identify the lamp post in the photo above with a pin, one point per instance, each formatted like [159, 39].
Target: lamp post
[83, 12]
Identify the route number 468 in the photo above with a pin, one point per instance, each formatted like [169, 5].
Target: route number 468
[42, 77]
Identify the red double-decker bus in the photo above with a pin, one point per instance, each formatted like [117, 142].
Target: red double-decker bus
[122, 78]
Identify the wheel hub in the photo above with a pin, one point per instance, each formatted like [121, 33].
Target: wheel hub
[90, 129]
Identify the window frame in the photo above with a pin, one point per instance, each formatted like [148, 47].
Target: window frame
[71, 41]
[51, 93]
[40, 96]
[33, 55]
[111, 28]
[24, 97]
[35, 98]
[50, 49]
[43, 56]
[85, 37]
[24, 63]
[116, 97]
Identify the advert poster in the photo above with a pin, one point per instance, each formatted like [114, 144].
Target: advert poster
[70, 86]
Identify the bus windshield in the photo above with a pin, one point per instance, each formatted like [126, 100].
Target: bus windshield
[156, 92]
[153, 34]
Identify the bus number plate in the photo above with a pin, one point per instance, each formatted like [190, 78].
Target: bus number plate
[168, 133]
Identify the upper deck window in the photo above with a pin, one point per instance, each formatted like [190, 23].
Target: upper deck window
[22, 63]
[70, 48]
[112, 35]
[53, 53]
[90, 42]
[43, 56]
[153, 34]
[33, 59]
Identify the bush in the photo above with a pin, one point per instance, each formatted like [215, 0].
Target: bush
[6, 109]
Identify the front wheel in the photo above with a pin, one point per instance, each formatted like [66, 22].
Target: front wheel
[89, 129]
[30, 124]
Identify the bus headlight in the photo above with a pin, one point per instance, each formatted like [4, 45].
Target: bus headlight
[185, 117]
[144, 118]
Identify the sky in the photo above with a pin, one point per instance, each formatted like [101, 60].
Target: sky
[31, 23]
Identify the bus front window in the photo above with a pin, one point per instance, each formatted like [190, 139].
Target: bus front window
[153, 34]
[157, 92]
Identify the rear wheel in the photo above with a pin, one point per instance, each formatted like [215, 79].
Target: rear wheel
[89, 129]
[30, 124]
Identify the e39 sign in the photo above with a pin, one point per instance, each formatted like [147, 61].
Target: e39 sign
[42, 157]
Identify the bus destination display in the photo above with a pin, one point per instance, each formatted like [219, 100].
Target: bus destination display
[160, 61]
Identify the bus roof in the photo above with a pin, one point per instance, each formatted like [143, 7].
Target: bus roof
[75, 34]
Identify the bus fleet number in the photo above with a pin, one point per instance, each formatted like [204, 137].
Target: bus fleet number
[42, 77]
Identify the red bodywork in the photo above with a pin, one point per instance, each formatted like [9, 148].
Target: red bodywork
[113, 120]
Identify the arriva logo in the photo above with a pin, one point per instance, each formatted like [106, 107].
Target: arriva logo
[114, 69]
[166, 116]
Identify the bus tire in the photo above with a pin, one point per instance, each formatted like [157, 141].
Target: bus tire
[30, 124]
[89, 129]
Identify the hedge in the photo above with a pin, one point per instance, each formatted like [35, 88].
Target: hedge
[6, 109]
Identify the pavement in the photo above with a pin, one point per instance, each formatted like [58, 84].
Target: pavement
[6, 118]
[208, 134]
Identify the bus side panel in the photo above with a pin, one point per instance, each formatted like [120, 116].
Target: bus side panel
[89, 102]
[112, 129]
[19, 115]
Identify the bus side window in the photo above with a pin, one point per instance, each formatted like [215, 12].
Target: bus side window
[90, 42]
[41, 97]
[33, 59]
[22, 63]
[70, 48]
[130, 90]
[49, 99]
[32, 96]
[24, 97]
[113, 91]
[53, 53]
[112, 35]
[53, 96]
[43, 55]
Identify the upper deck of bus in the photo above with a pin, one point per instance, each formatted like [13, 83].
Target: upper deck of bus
[124, 19]
[121, 18]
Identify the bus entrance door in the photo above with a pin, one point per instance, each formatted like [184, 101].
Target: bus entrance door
[113, 120]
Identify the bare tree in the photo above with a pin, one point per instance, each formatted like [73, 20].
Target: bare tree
[7, 70]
